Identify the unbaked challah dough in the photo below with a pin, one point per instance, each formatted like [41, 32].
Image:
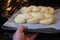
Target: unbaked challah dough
[35, 9]
[43, 9]
[28, 9]
[36, 15]
[48, 10]
[26, 16]
[51, 10]
[33, 21]
[19, 20]
[48, 15]
[47, 21]
[23, 10]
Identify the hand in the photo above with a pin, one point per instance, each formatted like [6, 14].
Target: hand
[19, 34]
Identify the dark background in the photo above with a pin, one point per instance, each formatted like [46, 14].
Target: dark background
[7, 34]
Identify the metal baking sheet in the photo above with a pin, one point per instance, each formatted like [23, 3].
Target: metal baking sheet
[11, 24]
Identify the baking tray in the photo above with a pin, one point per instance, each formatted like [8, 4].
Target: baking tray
[54, 28]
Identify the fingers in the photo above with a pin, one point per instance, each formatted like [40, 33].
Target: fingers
[21, 28]
[34, 36]
[19, 34]
[31, 36]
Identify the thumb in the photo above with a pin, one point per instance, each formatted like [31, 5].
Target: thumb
[20, 29]
[33, 36]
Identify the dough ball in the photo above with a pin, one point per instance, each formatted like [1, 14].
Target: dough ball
[29, 9]
[51, 10]
[40, 6]
[32, 6]
[19, 20]
[23, 10]
[26, 16]
[26, 9]
[47, 21]
[46, 11]
[35, 9]
[18, 16]
[43, 9]
[32, 21]
[49, 15]
[38, 15]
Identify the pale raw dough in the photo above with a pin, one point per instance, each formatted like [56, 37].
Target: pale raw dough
[51, 10]
[47, 21]
[18, 16]
[32, 21]
[26, 9]
[35, 9]
[19, 20]
[29, 9]
[48, 15]
[23, 10]
[43, 8]
[38, 15]
[26, 16]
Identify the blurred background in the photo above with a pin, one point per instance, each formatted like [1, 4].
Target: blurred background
[9, 7]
